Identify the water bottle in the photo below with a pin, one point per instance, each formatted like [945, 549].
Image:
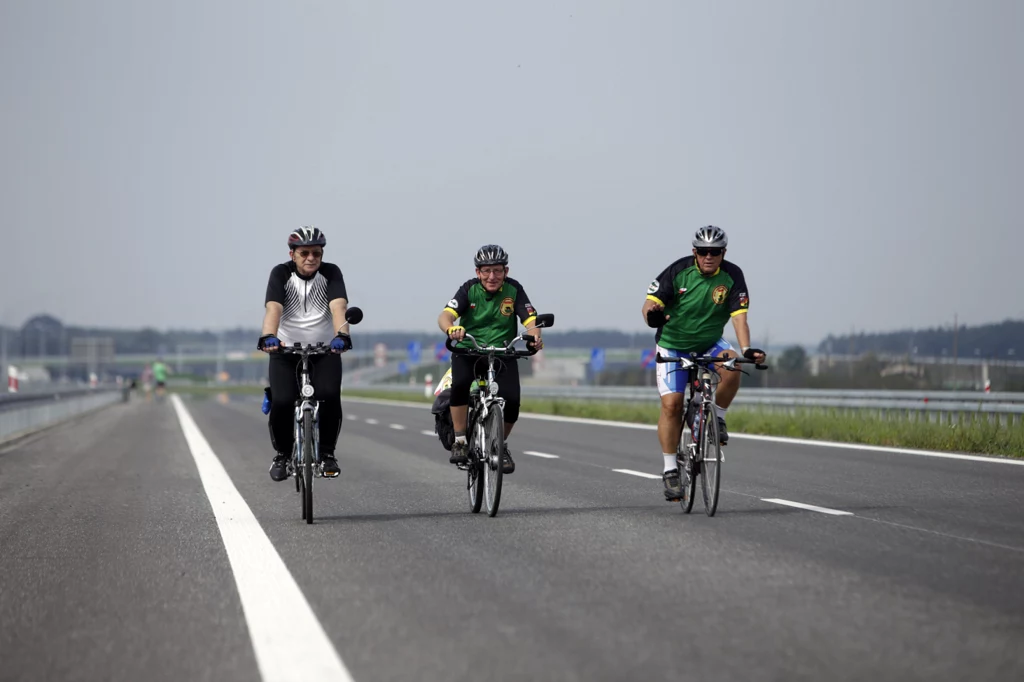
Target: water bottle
[266, 401]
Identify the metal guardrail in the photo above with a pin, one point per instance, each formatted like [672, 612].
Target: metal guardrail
[32, 416]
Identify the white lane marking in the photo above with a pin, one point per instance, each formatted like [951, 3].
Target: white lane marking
[810, 507]
[540, 454]
[371, 421]
[397, 427]
[352, 417]
[747, 436]
[428, 433]
[635, 473]
[269, 594]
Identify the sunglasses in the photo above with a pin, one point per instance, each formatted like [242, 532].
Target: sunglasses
[303, 254]
[709, 252]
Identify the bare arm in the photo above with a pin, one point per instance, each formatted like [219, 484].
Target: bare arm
[739, 324]
[272, 318]
[338, 308]
[445, 321]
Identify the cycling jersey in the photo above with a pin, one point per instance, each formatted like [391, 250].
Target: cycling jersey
[160, 372]
[698, 305]
[307, 302]
[491, 318]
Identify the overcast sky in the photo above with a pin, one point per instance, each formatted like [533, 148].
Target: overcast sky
[864, 157]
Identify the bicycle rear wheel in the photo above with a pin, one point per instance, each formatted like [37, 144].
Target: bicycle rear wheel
[689, 480]
[711, 460]
[493, 449]
[307, 465]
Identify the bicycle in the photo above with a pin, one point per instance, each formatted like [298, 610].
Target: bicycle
[486, 420]
[305, 463]
[700, 449]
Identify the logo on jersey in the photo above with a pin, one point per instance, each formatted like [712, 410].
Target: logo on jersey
[653, 288]
[507, 306]
[530, 311]
[453, 304]
[744, 300]
[719, 294]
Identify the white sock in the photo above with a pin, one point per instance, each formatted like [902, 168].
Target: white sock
[670, 461]
[720, 411]
[461, 439]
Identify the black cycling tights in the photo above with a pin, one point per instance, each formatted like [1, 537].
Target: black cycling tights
[506, 374]
[325, 375]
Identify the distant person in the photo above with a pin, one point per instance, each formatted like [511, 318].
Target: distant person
[147, 381]
[487, 307]
[690, 303]
[305, 303]
[160, 377]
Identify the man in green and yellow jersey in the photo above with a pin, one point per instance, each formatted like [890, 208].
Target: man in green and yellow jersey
[487, 307]
[690, 303]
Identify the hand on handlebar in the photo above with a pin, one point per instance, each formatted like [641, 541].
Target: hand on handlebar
[533, 343]
[341, 343]
[755, 354]
[268, 343]
[456, 332]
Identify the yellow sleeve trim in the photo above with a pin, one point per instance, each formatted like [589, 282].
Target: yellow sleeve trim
[527, 321]
[453, 312]
[656, 300]
[738, 312]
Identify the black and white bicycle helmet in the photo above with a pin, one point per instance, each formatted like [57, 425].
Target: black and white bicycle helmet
[490, 254]
[307, 235]
[710, 237]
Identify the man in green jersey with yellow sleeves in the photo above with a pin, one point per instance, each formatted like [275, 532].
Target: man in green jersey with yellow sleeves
[690, 303]
[487, 307]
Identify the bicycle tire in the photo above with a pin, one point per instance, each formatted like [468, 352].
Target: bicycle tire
[475, 486]
[307, 465]
[689, 480]
[493, 465]
[710, 461]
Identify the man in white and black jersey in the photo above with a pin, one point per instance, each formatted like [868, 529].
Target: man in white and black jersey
[306, 303]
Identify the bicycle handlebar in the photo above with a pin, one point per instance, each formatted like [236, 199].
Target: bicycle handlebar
[707, 360]
[309, 349]
[507, 351]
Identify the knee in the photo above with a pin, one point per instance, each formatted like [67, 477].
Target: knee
[672, 405]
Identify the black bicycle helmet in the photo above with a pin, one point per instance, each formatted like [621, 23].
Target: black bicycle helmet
[490, 254]
[307, 235]
[710, 237]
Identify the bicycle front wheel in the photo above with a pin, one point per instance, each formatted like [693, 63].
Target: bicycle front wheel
[711, 460]
[689, 480]
[307, 464]
[493, 449]
[474, 485]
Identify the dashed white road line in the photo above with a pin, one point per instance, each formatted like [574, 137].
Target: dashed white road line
[396, 427]
[371, 421]
[544, 455]
[810, 507]
[268, 591]
[641, 474]
[428, 433]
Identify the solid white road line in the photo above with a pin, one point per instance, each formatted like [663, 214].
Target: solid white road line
[544, 455]
[811, 507]
[274, 606]
[641, 474]
[742, 436]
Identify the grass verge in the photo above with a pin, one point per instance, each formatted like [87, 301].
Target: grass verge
[976, 436]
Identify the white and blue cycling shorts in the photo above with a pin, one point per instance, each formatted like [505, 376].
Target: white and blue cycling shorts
[672, 379]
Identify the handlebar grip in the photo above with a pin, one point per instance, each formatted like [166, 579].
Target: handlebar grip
[449, 343]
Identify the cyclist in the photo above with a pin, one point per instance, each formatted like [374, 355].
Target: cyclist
[160, 376]
[305, 303]
[690, 303]
[487, 307]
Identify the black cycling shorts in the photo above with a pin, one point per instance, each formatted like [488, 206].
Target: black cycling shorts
[464, 368]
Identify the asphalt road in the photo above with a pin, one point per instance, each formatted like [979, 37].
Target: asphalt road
[128, 553]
